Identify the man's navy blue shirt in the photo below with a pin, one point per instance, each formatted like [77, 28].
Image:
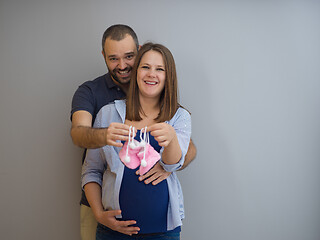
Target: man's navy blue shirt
[91, 96]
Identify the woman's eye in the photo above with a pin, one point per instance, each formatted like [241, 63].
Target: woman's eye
[145, 67]
[160, 69]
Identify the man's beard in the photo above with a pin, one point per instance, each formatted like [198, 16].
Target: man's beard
[120, 80]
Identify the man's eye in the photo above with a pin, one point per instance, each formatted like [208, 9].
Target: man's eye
[130, 57]
[113, 59]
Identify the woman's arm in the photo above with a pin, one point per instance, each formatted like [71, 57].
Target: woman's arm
[166, 137]
[174, 137]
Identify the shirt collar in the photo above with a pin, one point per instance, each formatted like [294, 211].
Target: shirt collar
[120, 106]
[110, 82]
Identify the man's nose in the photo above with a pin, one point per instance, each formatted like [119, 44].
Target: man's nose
[122, 64]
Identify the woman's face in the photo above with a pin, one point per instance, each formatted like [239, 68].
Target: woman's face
[151, 75]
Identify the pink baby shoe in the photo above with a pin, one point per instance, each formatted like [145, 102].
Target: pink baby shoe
[148, 156]
[129, 156]
[129, 151]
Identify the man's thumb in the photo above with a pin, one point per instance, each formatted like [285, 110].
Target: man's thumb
[114, 212]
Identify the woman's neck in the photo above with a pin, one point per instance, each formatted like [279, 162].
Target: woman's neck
[147, 120]
[150, 106]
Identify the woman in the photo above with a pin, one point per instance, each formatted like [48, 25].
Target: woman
[129, 208]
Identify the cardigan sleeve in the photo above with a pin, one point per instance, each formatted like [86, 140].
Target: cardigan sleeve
[94, 164]
[181, 123]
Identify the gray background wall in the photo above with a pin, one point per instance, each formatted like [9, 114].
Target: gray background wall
[249, 71]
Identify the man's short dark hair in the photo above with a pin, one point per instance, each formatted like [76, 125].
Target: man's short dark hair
[118, 32]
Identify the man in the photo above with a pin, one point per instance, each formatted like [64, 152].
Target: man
[119, 49]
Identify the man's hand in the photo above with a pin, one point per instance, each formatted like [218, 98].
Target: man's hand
[108, 218]
[117, 131]
[85, 136]
[155, 175]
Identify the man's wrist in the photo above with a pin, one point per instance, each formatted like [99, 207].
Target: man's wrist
[105, 136]
[98, 214]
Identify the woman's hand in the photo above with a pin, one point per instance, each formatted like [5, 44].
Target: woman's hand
[166, 137]
[163, 133]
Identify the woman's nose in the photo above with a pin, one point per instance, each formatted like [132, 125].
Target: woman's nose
[152, 73]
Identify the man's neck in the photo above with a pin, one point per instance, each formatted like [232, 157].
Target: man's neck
[124, 87]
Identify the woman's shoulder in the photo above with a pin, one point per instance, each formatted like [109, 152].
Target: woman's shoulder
[181, 111]
[113, 106]
[107, 108]
[181, 115]
[112, 112]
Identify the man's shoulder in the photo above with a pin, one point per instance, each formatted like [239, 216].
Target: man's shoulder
[95, 82]
[96, 88]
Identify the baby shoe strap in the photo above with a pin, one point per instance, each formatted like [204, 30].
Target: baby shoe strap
[145, 137]
[127, 158]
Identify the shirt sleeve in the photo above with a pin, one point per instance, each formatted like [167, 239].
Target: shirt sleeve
[181, 123]
[94, 164]
[83, 99]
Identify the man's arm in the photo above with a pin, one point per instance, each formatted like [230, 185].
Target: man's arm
[191, 154]
[83, 135]
[107, 218]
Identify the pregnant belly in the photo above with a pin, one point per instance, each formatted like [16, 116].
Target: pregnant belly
[145, 203]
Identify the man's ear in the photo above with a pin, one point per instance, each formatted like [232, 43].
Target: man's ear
[104, 56]
[139, 47]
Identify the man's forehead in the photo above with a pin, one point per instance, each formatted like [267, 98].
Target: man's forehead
[116, 54]
[122, 47]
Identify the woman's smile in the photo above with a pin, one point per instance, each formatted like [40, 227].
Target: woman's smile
[151, 74]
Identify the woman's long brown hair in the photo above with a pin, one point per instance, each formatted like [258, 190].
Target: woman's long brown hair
[168, 102]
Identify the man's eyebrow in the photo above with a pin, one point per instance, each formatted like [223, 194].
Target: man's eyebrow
[114, 55]
[129, 53]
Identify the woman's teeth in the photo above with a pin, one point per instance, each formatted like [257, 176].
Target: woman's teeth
[151, 83]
